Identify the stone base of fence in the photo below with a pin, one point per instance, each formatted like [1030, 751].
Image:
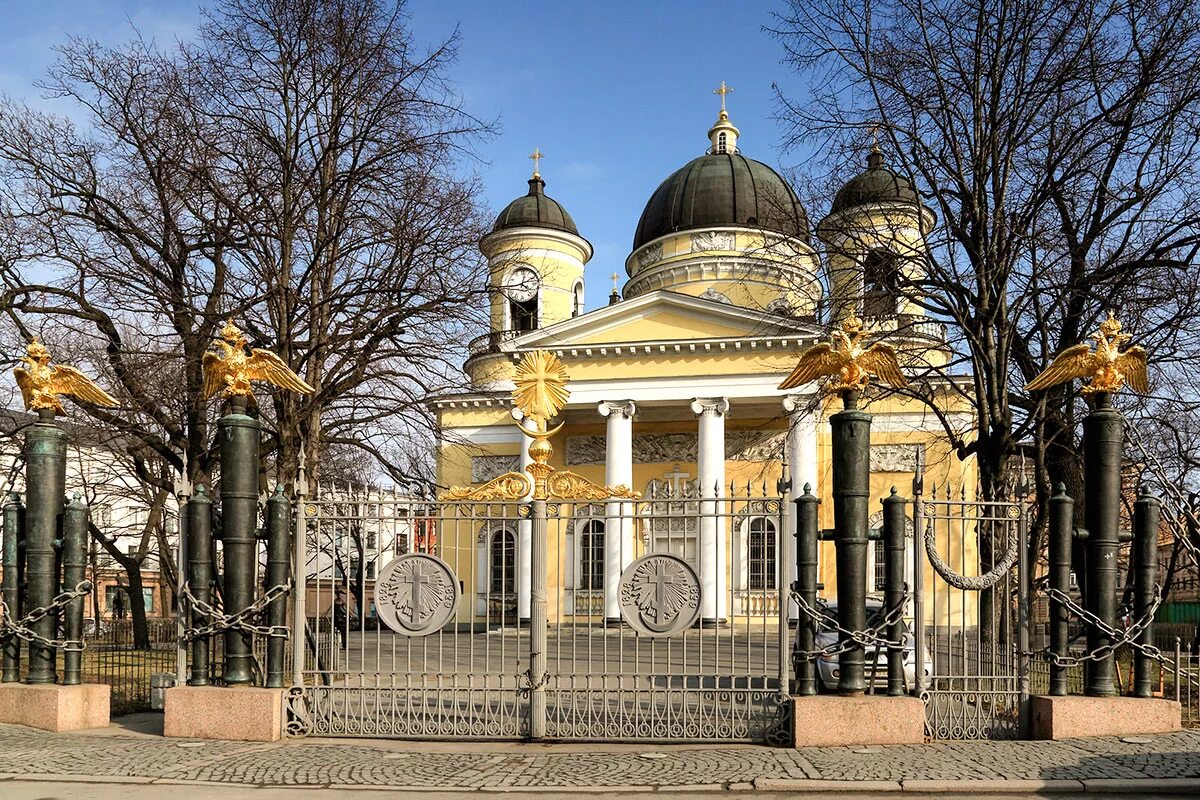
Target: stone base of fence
[1072, 717]
[247, 714]
[834, 721]
[52, 707]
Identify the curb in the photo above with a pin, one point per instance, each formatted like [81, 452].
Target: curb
[1179, 787]
[1136, 786]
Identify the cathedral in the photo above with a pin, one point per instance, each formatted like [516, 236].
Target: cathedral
[673, 383]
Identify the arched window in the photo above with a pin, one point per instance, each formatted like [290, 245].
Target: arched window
[880, 283]
[578, 309]
[591, 555]
[761, 563]
[722, 142]
[504, 562]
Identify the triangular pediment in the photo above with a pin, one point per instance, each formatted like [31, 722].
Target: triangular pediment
[663, 316]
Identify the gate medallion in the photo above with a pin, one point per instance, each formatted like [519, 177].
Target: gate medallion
[416, 594]
[660, 595]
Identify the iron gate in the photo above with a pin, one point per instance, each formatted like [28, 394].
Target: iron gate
[971, 616]
[661, 618]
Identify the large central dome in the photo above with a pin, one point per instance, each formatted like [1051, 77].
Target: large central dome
[722, 189]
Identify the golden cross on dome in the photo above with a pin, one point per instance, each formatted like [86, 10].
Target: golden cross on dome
[723, 90]
[537, 156]
[615, 279]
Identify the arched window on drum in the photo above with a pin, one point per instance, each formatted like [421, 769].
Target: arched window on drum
[762, 563]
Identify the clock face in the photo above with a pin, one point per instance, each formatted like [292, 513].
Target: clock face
[521, 285]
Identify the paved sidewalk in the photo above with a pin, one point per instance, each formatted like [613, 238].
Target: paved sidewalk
[124, 754]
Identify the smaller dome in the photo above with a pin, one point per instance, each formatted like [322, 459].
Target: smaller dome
[537, 210]
[877, 185]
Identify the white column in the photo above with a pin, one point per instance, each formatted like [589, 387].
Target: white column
[524, 541]
[710, 463]
[618, 471]
[803, 413]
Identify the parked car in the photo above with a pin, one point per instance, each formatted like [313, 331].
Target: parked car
[827, 666]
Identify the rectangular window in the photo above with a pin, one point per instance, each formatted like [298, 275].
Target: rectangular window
[761, 559]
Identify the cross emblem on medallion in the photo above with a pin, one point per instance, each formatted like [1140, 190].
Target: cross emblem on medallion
[414, 579]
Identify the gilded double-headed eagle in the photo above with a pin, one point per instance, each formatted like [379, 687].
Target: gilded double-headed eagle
[234, 365]
[845, 357]
[42, 384]
[1108, 367]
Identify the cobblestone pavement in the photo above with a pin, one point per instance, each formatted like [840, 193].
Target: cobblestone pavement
[470, 766]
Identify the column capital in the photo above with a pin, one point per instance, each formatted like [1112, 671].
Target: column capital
[619, 408]
[800, 404]
[710, 406]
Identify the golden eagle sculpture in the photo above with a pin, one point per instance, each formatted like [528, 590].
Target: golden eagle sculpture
[231, 369]
[42, 384]
[1108, 367]
[845, 358]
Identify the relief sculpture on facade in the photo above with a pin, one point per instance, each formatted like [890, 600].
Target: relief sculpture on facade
[712, 240]
[484, 468]
[663, 448]
[894, 457]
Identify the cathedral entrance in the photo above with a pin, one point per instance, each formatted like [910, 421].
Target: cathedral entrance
[662, 618]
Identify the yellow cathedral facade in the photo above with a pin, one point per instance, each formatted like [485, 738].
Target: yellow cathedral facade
[674, 382]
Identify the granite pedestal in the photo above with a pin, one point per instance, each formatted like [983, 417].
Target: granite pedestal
[53, 707]
[248, 714]
[836, 721]
[1071, 717]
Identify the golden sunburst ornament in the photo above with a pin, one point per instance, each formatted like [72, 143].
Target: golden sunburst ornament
[539, 394]
[541, 386]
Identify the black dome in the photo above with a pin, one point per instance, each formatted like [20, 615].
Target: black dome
[722, 189]
[537, 210]
[877, 185]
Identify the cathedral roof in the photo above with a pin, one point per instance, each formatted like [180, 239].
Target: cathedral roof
[720, 189]
[877, 185]
[535, 209]
[723, 188]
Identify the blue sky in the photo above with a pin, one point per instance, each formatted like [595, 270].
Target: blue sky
[617, 94]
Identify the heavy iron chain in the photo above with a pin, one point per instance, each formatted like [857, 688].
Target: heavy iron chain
[526, 684]
[871, 637]
[236, 621]
[1117, 637]
[21, 630]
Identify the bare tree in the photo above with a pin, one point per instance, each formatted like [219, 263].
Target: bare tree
[297, 168]
[1056, 142]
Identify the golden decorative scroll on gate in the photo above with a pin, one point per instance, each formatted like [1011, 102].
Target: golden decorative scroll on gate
[540, 393]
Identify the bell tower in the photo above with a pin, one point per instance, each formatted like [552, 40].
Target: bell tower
[875, 235]
[536, 259]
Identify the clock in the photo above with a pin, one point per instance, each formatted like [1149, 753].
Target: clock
[521, 285]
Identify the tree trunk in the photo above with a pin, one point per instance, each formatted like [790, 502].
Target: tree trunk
[137, 607]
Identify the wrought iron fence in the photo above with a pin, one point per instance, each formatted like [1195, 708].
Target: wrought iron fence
[111, 657]
[718, 675]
